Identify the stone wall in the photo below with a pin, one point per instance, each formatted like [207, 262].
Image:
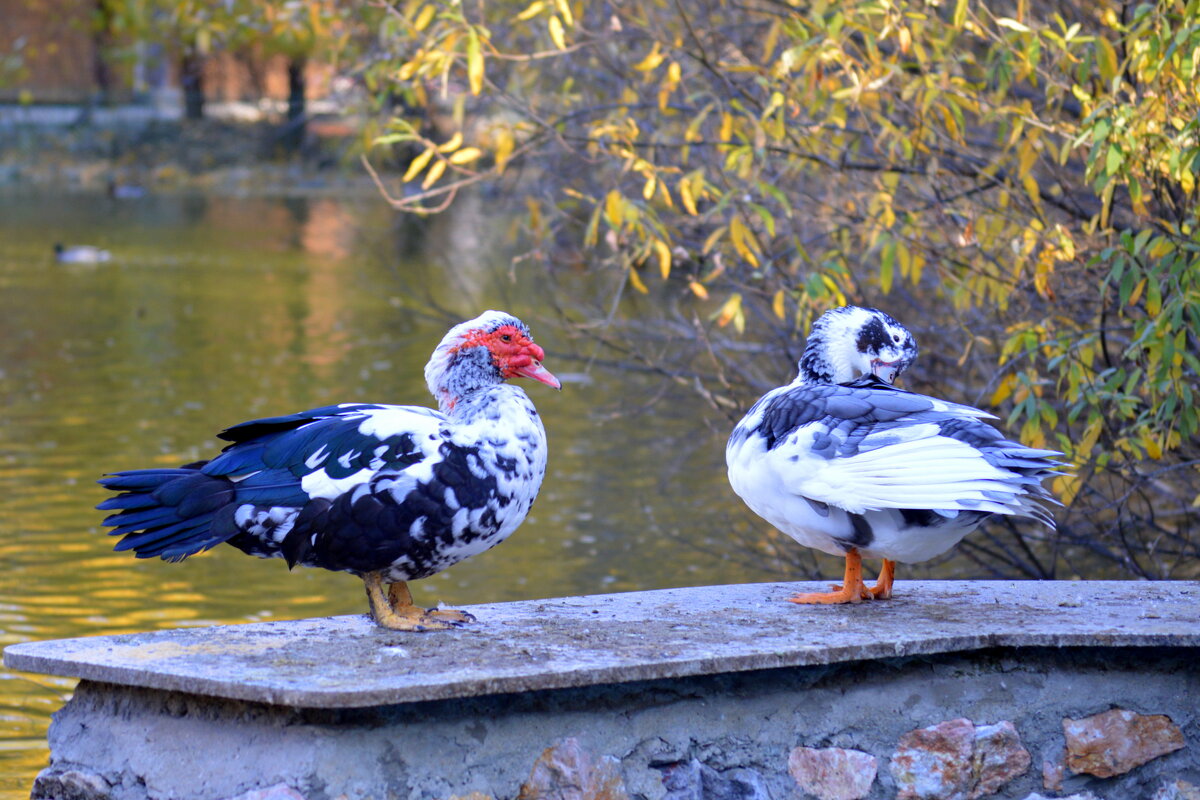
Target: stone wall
[1018, 723]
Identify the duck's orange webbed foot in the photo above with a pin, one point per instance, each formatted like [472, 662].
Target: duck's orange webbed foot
[851, 590]
[882, 590]
[396, 611]
[399, 597]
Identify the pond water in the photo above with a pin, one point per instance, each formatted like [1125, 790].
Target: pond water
[216, 310]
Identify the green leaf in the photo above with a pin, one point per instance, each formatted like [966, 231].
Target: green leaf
[1114, 160]
[1106, 59]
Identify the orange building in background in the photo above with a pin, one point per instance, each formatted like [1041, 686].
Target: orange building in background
[66, 57]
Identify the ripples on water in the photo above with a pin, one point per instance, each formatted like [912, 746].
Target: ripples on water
[217, 310]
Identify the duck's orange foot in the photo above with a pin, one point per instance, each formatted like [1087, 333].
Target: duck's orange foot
[852, 589]
[451, 615]
[882, 590]
[840, 595]
[419, 620]
[396, 611]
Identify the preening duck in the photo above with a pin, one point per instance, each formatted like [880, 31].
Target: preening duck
[843, 462]
[389, 493]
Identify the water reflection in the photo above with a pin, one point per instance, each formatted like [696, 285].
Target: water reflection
[216, 310]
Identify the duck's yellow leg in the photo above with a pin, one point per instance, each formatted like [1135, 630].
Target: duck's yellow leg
[395, 610]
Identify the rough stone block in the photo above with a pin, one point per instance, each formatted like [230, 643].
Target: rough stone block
[567, 772]
[1053, 773]
[934, 763]
[998, 758]
[54, 783]
[1177, 790]
[280, 791]
[1116, 741]
[955, 760]
[692, 780]
[833, 773]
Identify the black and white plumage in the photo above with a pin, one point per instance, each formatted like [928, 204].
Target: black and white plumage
[845, 463]
[389, 493]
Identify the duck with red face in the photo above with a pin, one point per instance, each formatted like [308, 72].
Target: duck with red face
[389, 493]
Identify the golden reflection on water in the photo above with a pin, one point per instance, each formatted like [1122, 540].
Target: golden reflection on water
[217, 310]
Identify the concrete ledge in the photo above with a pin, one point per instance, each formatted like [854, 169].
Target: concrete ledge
[346, 662]
[953, 691]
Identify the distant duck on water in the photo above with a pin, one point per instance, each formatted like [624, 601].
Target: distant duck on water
[80, 254]
[843, 462]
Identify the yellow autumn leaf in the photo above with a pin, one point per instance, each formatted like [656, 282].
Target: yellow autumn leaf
[686, 197]
[1137, 292]
[636, 280]
[712, 240]
[742, 240]
[664, 257]
[614, 209]
[1153, 447]
[698, 289]
[1004, 390]
[564, 8]
[1091, 435]
[556, 33]
[416, 165]
[453, 143]
[649, 187]
[435, 172]
[729, 310]
[1032, 190]
[1066, 487]
[960, 14]
[777, 304]
[474, 63]
[532, 11]
[424, 17]
[465, 156]
[1013, 25]
[504, 148]
[651, 61]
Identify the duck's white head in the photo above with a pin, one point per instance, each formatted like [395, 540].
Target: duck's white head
[482, 352]
[849, 342]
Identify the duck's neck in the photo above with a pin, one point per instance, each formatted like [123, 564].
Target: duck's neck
[456, 377]
[489, 403]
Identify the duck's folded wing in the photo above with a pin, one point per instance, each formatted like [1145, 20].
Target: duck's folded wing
[862, 449]
[264, 483]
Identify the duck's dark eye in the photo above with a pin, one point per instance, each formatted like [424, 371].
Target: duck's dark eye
[896, 338]
[506, 337]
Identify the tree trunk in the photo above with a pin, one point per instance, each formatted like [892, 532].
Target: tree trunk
[101, 43]
[293, 135]
[191, 78]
